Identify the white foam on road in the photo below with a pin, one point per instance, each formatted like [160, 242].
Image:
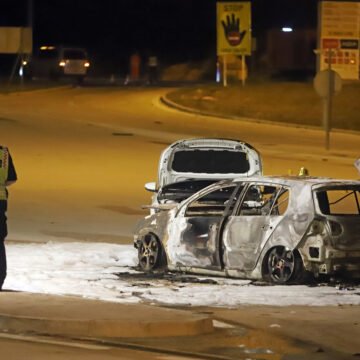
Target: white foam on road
[93, 270]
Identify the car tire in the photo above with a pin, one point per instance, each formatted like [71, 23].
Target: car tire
[151, 254]
[284, 266]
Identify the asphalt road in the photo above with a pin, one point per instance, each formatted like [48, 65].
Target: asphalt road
[84, 154]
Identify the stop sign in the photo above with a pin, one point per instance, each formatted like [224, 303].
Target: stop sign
[327, 83]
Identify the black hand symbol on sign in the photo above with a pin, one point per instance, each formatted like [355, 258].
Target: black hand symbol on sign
[232, 30]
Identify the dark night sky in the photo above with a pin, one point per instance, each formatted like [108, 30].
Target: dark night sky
[175, 29]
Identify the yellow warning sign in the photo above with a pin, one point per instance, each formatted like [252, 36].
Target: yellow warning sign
[233, 28]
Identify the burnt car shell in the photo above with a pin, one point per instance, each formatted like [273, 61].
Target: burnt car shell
[272, 228]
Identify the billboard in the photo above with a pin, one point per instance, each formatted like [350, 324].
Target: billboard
[233, 26]
[15, 40]
[340, 37]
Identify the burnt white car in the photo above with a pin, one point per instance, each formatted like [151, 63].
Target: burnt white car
[187, 166]
[279, 229]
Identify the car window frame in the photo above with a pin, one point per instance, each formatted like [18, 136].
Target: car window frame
[189, 201]
[236, 209]
[325, 188]
[279, 193]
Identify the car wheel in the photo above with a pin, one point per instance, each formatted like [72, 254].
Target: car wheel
[150, 253]
[284, 266]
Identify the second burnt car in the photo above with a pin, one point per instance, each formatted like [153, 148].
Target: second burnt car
[274, 228]
[189, 165]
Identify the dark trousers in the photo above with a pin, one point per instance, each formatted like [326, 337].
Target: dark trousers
[2, 263]
[153, 76]
[3, 234]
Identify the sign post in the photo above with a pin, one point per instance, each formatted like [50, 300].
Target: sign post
[327, 83]
[233, 26]
[243, 73]
[224, 71]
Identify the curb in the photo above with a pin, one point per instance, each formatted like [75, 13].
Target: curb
[105, 328]
[77, 317]
[50, 89]
[167, 102]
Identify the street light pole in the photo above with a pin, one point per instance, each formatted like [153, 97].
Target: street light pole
[30, 14]
[328, 103]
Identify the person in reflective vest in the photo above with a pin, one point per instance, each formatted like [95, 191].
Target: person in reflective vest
[7, 177]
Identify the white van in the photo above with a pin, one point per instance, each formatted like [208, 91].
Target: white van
[56, 61]
[187, 166]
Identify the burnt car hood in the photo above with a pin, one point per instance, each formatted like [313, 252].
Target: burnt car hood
[215, 159]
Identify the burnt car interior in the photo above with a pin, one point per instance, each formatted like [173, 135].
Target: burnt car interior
[212, 204]
[204, 216]
[182, 190]
[263, 200]
[260, 200]
[211, 161]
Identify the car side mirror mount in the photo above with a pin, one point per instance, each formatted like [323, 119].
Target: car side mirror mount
[151, 186]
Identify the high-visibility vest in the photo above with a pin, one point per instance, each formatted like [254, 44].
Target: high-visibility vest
[4, 170]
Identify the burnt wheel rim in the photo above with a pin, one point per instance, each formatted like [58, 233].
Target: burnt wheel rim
[281, 264]
[148, 253]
